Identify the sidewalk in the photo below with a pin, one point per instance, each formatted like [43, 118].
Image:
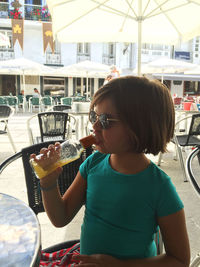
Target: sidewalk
[12, 182]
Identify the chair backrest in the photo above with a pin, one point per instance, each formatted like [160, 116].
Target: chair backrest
[66, 178]
[5, 111]
[194, 127]
[66, 101]
[61, 107]
[177, 100]
[34, 101]
[47, 100]
[52, 124]
[3, 100]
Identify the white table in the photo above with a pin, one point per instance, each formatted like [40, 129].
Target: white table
[80, 110]
[19, 234]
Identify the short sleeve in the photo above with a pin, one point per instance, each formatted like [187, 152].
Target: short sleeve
[84, 167]
[169, 201]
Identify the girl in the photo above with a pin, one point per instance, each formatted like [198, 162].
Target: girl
[127, 197]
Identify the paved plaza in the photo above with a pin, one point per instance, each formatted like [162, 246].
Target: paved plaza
[12, 182]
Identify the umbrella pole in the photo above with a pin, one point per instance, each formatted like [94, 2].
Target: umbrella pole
[23, 81]
[87, 85]
[139, 36]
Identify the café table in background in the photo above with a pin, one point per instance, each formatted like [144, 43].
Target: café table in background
[20, 240]
[80, 110]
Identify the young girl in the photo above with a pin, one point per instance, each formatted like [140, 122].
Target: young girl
[127, 197]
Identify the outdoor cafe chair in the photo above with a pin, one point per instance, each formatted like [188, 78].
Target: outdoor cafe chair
[187, 135]
[46, 102]
[192, 167]
[3, 100]
[189, 139]
[66, 101]
[12, 101]
[49, 125]
[34, 103]
[22, 102]
[32, 182]
[6, 112]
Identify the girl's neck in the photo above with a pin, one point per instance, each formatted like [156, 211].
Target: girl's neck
[129, 163]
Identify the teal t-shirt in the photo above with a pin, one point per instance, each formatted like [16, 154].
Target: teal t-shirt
[121, 210]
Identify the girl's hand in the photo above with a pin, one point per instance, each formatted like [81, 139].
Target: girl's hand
[48, 156]
[97, 260]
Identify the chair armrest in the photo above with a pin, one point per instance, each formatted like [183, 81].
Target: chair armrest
[190, 175]
[9, 160]
[29, 129]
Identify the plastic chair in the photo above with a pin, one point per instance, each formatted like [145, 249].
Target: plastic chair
[46, 102]
[13, 102]
[6, 112]
[52, 125]
[193, 161]
[22, 102]
[32, 183]
[3, 100]
[66, 101]
[34, 102]
[178, 102]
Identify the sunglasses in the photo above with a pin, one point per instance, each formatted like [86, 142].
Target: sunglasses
[104, 119]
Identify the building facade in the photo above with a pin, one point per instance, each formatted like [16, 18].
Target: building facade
[34, 14]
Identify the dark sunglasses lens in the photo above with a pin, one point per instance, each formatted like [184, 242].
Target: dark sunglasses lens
[104, 122]
[92, 117]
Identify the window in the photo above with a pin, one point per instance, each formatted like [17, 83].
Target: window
[33, 2]
[192, 87]
[83, 48]
[9, 34]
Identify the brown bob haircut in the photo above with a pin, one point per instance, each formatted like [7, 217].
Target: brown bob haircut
[145, 107]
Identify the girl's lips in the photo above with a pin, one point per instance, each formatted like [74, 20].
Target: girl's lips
[97, 140]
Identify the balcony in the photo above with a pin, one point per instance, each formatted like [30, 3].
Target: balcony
[33, 12]
[27, 12]
[108, 60]
[6, 54]
[82, 57]
[53, 59]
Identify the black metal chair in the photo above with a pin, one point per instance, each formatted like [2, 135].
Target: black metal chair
[52, 126]
[32, 182]
[61, 107]
[189, 139]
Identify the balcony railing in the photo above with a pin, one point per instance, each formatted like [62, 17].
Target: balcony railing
[34, 12]
[53, 59]
[82, 57]
[28, 12]
[4, 10]
[5, 55]
[108, 60]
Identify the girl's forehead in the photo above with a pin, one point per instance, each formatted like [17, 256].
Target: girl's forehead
[105, 106]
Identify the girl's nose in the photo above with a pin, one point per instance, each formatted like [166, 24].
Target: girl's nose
[97, 125]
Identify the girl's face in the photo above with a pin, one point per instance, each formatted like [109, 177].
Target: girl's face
[113, 140]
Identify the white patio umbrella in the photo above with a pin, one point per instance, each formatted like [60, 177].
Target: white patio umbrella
[166, 65]
[4, 40]
[141, 21]
[23, 66]
[84, 69]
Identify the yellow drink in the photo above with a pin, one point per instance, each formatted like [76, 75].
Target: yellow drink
[41, 173]
[69, 152]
